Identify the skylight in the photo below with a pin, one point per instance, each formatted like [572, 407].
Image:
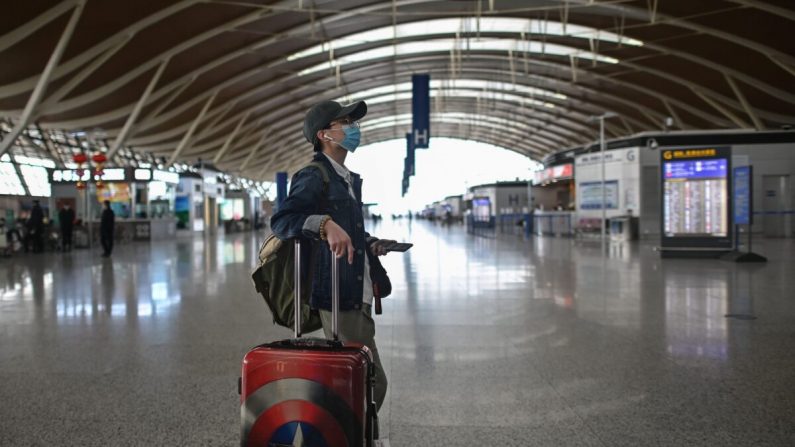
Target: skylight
[469, 84]
[447, 45]
[446, 117]
[461, 93]
[467, 26]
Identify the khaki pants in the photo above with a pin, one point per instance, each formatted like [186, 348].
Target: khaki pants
[358, 326]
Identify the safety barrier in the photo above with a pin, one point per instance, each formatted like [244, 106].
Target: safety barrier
[553, 225]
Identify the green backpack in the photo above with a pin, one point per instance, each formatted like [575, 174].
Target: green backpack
[274, 277]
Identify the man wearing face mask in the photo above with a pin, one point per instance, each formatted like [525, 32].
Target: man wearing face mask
[333, 213]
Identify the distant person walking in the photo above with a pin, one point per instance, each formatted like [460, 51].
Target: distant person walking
[36, 227]
[106, 229]
[66, 218]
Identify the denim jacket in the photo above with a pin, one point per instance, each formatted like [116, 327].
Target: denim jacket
[300, 215]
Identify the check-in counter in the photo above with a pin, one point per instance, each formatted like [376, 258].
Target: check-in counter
[129, 230]
[553, 223]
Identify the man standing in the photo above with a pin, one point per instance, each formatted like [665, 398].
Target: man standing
[106, 230]
[36, 227]
[66, 218]
[333, 214]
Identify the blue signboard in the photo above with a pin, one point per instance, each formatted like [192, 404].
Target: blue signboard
[410, 165]
[421, 110]
[743, 198]
[696, 169]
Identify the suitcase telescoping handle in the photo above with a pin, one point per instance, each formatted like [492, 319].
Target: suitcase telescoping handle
[335, 293]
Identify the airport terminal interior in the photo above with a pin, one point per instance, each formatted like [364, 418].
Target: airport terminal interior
[632, 286]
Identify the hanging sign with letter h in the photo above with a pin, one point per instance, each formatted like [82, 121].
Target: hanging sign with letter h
[421, 110]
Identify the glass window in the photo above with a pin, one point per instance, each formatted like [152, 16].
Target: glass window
[450, 84]
[491, 96]
[10, 184]
[37, 180]
[464, 26]
[446, 45]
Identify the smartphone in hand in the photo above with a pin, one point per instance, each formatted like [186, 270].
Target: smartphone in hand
[398, 246]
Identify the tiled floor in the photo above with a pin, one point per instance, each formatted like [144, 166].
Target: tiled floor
[486, 341]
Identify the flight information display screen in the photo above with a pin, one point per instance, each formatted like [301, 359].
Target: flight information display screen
[696, 198]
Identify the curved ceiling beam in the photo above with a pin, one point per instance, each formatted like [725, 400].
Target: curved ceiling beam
[719, 68]
[299, 160]
[664, 49]
[194, 102]
[275, 110]
[19, 33]
[659, 18]
[503, 116]
[298, 147]
[767, 7]
[78, 61]
[599, 78]
[730, 100]
[659, 96]
[311, 85]
[194, 73]
[294, 120]
[205, 67]
[127, 33]
[112, 86]
[292, 128]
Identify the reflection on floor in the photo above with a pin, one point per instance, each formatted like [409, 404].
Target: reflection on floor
[486, 341]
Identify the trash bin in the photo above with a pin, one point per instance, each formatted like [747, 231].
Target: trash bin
[623, 228]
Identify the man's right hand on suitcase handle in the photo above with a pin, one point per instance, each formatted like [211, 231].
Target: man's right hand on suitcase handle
[338, 240]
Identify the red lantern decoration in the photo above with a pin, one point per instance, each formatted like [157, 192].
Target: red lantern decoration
[80, 158]
[99, 161]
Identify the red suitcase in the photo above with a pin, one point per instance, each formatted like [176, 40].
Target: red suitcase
[308, 391]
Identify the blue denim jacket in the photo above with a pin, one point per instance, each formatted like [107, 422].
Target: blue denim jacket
[300, 215]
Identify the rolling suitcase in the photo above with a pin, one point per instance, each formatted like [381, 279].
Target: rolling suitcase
[308, 391]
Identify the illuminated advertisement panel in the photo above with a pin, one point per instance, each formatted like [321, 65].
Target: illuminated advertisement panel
[481, 209]
[696, 200]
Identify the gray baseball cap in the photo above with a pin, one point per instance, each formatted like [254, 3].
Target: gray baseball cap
[321, 114]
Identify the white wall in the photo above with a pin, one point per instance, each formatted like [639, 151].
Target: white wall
[622, 166]
[503, 194]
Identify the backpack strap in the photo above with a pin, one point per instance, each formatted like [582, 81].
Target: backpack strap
[326, 179]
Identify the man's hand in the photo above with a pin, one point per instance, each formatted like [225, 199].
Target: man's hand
[379, 247]
[338, 240]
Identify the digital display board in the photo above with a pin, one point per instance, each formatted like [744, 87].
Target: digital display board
[590, 195]
[560, 172]
[481, 209]
[696, 202]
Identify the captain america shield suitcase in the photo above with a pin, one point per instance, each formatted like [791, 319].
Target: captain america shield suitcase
[307, 391]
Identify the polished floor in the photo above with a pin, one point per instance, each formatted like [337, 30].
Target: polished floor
[486, 341]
